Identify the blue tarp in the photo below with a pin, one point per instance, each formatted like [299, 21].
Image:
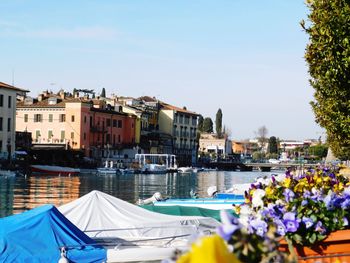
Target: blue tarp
[38, 234]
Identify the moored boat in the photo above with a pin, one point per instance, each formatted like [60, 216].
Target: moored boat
[185, 170]
[54, 170]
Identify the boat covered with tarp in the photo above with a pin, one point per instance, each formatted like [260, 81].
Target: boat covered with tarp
[101, 215]
[40, 234]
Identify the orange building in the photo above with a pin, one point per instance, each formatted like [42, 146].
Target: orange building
[76, 123]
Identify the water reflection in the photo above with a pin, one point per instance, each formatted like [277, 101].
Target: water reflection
[20, 193]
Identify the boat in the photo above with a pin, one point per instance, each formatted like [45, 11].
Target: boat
[108, 169]
[185, 170]
[216, 202]
[153, 168]
[54, 170]
[38, 235]
[179, 210]
[156, 163]
[138, 234]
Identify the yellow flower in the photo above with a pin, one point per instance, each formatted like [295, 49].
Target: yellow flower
[269, 191]
[286, 182]
[211, 249]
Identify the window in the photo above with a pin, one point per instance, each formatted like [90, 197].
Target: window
[9, 124]
[84, 119]
[1, 100]
[90, 121]
[132, 125]
[114, 123]
[108, 138]
[120, 124]
[63, 135]
[0, 123]
[119, 138]
[62, 118]
[108, 121]
[49, 135]
[73, 118]
[25, 117]
[50, 117]
[38, 118]
[37, 135]
[72, 135]
[84, 135]
[9, 101]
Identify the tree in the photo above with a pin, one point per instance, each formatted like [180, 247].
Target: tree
[200, 123]
[103, 93]
[328, 58]
[207, 125]
[218, 123]
[273, 147]
[262, 136]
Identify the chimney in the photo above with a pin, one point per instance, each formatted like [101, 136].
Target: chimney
[40, 97]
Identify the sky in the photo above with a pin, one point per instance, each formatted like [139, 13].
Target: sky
[245, 57]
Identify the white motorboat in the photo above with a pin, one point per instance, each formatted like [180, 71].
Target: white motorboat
[153, 168]
[136, 233]
[185, 170]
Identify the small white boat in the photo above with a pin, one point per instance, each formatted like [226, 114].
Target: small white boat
[185, 170]
[153, 168]
[54, 170]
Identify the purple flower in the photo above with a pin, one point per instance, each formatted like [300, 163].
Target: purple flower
[307, 221]
[281, 228]
[304, 202]
[345, 221]
[306, 194]
[288, 194]
[290, 222]
[346, 203]
[320, 228]
[258, 226]
[229, 225]
[329, 201]
[226, 231]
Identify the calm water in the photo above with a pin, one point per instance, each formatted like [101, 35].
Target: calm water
[19, 193]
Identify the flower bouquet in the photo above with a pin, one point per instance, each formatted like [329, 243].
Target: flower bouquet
[304, 208]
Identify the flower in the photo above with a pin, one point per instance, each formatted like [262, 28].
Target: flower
[303, 207]
[209, 249]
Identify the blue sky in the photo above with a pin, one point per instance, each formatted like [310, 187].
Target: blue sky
[245, 57]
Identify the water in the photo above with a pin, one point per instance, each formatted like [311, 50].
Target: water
[18, 194]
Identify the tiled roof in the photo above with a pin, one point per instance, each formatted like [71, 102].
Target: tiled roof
[45, 103]
[148, 99]
[171, 107]
[7, 86]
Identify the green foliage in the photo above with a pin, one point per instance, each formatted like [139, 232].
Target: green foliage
[207, 125]
[272, 156]
[328, 57]
[218, 123]
[258, 156]
[273, 147]
[319, 151]
[200, 123]
[103, 93]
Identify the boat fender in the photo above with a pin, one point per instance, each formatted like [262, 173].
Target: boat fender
[212, 191]
[63, 258]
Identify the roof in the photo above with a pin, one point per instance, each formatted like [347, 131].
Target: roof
[45, 103]
[7, 86]
[148, 99]
[174, 108]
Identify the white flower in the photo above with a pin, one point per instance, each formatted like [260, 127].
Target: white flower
[257, 198]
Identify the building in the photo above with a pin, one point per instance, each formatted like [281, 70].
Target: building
[211, 144]
[8, 98]
[181, 124]
[67, 122]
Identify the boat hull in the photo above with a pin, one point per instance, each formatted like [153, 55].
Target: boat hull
[216, 204]
[54, 170]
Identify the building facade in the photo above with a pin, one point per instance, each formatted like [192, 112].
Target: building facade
[210, 143]
[181, 124]
[75, 123]
[8, 97]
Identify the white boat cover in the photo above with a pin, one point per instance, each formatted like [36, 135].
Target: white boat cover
[101, 215]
